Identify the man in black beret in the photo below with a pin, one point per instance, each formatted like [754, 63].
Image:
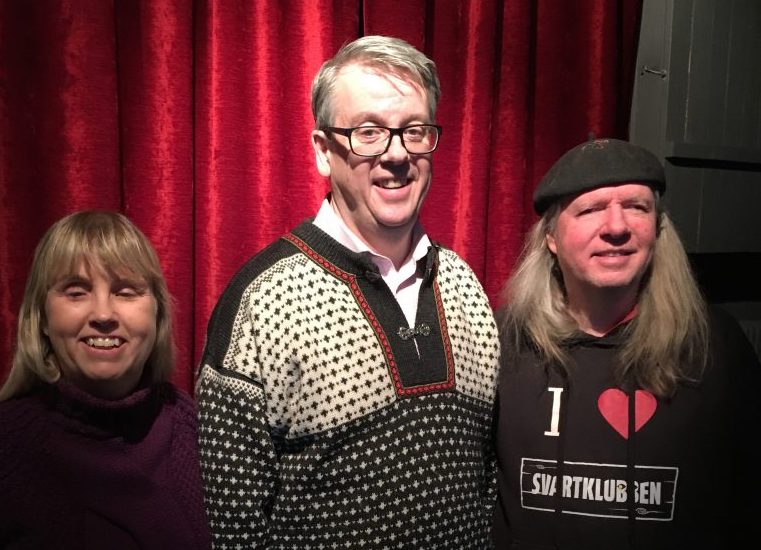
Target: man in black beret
[595, 164]
[624, 402]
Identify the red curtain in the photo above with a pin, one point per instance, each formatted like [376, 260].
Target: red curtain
[192, 117]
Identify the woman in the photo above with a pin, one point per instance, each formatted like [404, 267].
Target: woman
[97, 448]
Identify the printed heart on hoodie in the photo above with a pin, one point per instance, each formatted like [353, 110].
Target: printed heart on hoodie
[614, 407]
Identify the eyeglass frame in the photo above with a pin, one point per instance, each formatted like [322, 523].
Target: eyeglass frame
[392, 132]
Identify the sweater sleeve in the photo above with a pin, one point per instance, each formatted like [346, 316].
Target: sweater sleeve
[238, 460]
[239, 463]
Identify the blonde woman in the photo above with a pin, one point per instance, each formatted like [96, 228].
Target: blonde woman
[97, 448]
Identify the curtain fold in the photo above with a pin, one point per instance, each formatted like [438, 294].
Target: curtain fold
[193, 118]
[155, 105]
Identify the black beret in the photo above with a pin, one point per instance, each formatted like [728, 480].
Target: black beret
[595, 164]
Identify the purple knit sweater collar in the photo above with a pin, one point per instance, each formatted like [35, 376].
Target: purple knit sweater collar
[129, 418]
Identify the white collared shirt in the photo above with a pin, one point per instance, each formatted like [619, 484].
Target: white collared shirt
[404, 282]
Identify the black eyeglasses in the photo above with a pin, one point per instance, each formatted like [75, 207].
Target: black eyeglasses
[373, 141]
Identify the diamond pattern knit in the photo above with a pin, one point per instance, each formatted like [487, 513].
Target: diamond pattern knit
[321, 426]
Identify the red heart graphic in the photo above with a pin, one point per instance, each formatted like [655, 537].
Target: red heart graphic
[614, 407]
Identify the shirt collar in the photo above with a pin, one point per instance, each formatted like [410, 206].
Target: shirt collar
[331, 223]
[625, 319]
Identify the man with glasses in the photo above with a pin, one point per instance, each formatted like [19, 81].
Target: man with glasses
[347, 383]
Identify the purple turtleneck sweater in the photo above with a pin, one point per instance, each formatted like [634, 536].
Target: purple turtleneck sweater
[81, 472]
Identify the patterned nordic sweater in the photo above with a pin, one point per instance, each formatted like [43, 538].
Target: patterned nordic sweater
[320, 424]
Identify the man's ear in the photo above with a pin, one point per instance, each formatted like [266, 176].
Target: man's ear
[551, 244]
[322, 152]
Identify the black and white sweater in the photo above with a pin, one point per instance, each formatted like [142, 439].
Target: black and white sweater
[325, 424]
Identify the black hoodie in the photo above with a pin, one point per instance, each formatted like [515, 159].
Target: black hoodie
[692, 460]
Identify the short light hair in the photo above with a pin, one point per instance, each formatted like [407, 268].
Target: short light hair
[667, 341]
[102, 240]
[388, 54]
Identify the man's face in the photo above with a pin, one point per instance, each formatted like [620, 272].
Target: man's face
[378, 198]
[604, 239]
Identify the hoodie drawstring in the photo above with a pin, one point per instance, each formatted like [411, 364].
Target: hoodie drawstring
[630, 469]
[560, 459]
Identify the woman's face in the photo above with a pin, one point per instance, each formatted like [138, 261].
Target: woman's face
[102, 329]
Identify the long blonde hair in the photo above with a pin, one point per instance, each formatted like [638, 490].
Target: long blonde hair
[667, 338]
[109, 241]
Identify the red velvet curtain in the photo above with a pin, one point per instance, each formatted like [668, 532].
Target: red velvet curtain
[192, 117]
